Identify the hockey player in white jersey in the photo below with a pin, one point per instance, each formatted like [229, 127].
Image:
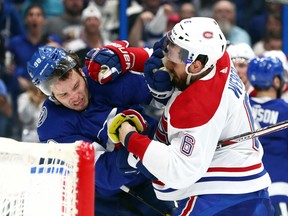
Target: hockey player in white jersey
[205, 102]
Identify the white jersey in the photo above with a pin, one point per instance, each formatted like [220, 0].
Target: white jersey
[211, 109]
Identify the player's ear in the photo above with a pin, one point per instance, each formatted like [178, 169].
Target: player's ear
[81, 72]
[195, 67]
[277, 82]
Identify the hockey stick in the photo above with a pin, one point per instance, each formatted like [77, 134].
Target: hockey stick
[232, 140]
[134, 194]
[250, 135]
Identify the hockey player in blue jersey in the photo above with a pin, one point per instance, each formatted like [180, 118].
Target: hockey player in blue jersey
[78, 108]
[266, 74]
[191, 73]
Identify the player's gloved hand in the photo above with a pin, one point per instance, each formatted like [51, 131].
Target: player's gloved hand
[128, 163]
[158, 78]
[103, 65]
[161, 44]
[107, 63]
[132, 116]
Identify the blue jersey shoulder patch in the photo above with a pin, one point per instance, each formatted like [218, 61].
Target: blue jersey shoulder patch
[42, 116]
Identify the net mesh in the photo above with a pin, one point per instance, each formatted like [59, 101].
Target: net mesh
[38, 179]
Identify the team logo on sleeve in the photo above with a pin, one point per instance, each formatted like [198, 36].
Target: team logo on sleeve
[42, 116]
[187, 144]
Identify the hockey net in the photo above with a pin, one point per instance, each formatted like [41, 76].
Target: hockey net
[46, 179]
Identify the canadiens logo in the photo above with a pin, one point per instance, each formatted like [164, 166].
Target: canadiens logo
[208, 34]
[42, 116]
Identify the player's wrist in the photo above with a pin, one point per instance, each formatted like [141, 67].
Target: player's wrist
[127, 138]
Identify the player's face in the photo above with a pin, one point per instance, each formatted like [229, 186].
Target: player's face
[241, 66]
[72, 92]
[178, 73]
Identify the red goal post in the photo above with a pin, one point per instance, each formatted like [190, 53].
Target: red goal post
[46, 179]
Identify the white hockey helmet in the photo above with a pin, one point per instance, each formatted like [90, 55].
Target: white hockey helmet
[193, 37]
[240, 51]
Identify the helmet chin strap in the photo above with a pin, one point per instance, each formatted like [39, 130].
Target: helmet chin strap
[190, 75]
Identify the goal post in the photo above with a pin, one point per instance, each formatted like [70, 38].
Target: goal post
[46, 179]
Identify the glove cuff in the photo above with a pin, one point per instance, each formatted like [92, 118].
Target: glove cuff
[161, 95]
[120, 48]
[131, 58]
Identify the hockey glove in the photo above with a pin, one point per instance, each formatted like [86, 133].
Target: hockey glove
[107, 63]
[158, 78]
[132, 116]
[103, 65]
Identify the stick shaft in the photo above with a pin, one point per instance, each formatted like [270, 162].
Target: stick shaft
[250, 135]
[134, 194]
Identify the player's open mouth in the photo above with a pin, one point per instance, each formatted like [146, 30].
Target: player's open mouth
[79, 103]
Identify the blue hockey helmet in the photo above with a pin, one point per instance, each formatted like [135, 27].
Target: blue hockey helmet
[262, 70]
[45, 61]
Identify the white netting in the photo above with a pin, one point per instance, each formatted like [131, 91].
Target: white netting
[37, 179]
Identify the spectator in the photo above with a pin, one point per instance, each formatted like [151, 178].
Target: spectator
[10, 26]
[273, 35]
[258, 24]
[187, 10]
[5, 110]
[29, 107]
[10, 22]
[240, 55]
[271, 41]
[224, 12]
[51, 7]
[91, 35]
[68, 25]
[246, 10]
[266, 75]
[172, 20]
[203, 7]
[150, 25]
[22, 48]
[109, 18]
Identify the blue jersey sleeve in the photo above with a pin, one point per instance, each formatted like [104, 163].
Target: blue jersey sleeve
[128, 89]
[109, 179]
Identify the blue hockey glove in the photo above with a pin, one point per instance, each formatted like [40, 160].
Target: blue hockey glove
[158, 78]
[103, 65]
[161, 44]
[107, 63]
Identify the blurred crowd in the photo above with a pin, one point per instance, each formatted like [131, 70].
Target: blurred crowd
[79, 25]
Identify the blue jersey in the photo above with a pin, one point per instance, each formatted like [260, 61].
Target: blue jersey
[267, 112]
[65, 126]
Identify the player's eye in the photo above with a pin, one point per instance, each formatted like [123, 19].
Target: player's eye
[62, 95]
